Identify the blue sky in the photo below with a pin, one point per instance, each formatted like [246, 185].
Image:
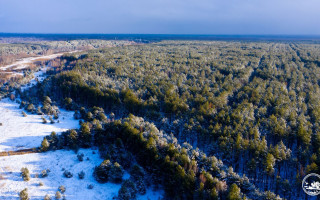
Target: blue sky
[161, 16]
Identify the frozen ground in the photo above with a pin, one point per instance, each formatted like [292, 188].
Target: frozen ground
[25, 62]
[11, 182]
[18, 132]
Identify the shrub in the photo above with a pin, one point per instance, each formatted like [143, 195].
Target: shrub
[47, 197]
[136, 172]
[31, 108]
[127, 191]
[24, 194]
[25, 174]
[81, 175]
[24, 114]
[58, 195]
[41, 184]
[90, 186]
[116, 172]
[101, 172]
[51, 120]
[44, 173]
[62, 189]
[141, 187]
[44, 121]
[67, 174]
[80, 157]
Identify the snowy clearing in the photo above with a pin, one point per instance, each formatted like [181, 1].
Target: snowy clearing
[11, 182]
[25, 62]
[18, 132]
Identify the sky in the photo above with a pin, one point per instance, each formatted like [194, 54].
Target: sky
[235, 17]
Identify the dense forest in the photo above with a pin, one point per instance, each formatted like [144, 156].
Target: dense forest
[226, 120]
[25, 47]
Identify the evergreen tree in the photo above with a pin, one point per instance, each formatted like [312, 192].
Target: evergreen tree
[234, 192]
[44, 145]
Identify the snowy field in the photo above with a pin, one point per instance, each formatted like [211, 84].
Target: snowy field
[11, 182]
[25, 62]
[18, 132]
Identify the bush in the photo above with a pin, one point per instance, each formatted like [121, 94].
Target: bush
[136, 172]
[44, 173]
[25, 174]
[41, 184]
[47, 197]
[44, 121]
[67, 174]
[141, 187]
[90, 186]
[24, 194]
[101, 172]
[137, 175]
[58, 195]
[127, 191]
[31, 108]
[62, 189]
[116, 172]
[51, 120]
[24, 114]
[107, 171]
[80, 157]
[81, 175]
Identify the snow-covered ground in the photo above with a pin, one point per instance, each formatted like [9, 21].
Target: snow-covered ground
[25, 62]
[19, 132]
[11, 182]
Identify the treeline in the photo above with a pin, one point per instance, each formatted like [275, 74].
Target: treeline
[11, 52]
[252, 105]
[184, 172]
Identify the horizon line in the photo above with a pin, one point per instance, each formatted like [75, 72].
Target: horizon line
[178, 34]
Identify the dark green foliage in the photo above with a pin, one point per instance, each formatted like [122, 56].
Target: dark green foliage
[255, 105]
[127, 191]
[116, 172]
[85, 135]
[101, 172]
[107, 171]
